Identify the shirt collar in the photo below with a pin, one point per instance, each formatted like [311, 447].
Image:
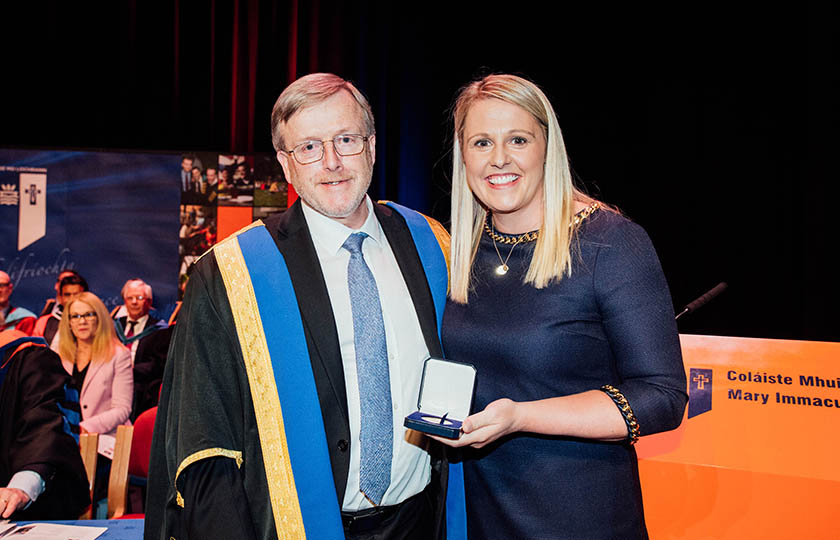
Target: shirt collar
[329, 235]
[142, 319]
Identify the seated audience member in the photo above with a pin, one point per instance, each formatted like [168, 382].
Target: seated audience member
[99, 365]
[17, 318]
[148, 340]
[51, 303]
[69, 288]
[40, 464]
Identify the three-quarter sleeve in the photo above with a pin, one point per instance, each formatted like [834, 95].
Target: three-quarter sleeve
[638, 318]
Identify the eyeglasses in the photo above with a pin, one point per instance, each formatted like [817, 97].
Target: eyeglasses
[9, 283]
[89, 316]
[311, 151]
[133, 298]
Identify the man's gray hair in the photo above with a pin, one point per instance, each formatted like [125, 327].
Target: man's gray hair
[310, 90]
[137, 282]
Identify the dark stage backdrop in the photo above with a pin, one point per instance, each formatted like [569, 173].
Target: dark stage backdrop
[708, 123]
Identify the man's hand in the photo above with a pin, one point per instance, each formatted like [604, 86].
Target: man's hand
[12, 500]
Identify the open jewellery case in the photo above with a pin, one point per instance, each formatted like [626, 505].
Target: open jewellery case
[445, 398]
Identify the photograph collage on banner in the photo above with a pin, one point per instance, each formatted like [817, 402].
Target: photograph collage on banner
[220, 194]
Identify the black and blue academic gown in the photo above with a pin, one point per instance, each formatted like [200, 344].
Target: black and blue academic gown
[36, 434]
[252, 434]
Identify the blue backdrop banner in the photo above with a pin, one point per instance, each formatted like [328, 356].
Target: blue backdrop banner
[110, 216]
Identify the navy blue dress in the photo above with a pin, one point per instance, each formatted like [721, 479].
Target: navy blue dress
[611, 322]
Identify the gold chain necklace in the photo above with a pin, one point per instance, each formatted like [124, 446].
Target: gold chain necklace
[525, 237]
[503, 268]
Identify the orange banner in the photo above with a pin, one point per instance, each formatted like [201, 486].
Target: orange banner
[757, 455]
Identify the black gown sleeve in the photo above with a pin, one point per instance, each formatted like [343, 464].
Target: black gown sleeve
[218, 507]
[39, 437]
[206, 478]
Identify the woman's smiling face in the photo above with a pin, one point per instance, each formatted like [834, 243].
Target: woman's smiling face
[504, 153]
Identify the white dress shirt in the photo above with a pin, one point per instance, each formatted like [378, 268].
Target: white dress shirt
[410, 468]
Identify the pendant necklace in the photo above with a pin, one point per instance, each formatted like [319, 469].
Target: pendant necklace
[502, 269]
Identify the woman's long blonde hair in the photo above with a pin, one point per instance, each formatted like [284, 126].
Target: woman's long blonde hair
[104, 336]
[552, 254]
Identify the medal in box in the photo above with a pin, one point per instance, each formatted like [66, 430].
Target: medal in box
[445, 398]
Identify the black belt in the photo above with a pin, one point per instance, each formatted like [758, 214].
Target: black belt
[371, 518]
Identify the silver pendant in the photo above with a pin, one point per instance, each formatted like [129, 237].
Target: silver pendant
[502, 269]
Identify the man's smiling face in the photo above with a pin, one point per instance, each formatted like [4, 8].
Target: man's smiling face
[334, 186]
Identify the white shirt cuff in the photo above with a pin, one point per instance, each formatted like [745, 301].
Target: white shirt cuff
[29, 482]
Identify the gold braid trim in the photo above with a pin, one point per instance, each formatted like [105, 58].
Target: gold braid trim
[278, 468]
[624, 407]
[198, 456]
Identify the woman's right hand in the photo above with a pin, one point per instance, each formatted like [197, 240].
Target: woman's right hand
[498, 419]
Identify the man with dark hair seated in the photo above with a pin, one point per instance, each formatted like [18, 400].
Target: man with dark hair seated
[40, 465]
[69, 287]
[51, 303]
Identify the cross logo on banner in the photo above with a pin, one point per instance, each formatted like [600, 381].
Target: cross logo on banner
[32, 223]
[700, 394]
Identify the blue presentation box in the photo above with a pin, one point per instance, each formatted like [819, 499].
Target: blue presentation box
[445, 398]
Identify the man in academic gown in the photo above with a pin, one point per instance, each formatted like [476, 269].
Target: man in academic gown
[11, 317]
[221, 467]
[41, 471]
[147, 338]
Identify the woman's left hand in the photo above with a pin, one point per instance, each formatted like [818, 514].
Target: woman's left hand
[497, 420]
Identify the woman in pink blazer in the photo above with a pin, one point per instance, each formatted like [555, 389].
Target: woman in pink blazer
[98, 363]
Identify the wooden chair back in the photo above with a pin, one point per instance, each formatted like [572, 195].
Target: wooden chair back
[118, 480]
[88, 444]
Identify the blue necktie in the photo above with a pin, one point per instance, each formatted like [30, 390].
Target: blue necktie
[377, 430]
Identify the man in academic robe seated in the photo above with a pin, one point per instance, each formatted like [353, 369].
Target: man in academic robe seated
[12, 317]
[51, 303]
[148, 340]
[40, 465]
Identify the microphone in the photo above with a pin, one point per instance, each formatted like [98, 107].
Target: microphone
[703, 300]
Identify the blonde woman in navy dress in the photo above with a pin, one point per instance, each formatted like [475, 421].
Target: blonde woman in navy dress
[561, 304]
